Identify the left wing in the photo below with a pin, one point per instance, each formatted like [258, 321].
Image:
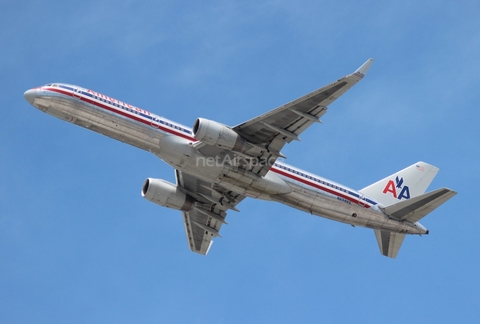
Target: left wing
[273, 129]
[268, 133]
[204, 221]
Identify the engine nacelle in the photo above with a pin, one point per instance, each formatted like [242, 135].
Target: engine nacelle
[218, 135]
[166, 194]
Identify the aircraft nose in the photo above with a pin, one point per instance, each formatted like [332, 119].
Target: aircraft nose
[30, 95]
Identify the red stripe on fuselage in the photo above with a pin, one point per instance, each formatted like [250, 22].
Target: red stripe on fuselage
[326, 189]
[123, 113]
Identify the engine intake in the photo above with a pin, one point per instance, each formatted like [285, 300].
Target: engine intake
[218, 135]
[166, 194]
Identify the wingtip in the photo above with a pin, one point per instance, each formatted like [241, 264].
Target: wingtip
[364, 68]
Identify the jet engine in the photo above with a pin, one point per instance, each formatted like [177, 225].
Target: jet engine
[166, 194]
[218, 135]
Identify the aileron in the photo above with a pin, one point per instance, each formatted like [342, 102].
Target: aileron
[204, 220]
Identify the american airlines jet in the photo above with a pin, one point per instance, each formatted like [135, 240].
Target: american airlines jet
[217, 166]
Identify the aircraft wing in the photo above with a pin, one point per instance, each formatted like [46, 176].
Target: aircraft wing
[204, 221]
[273, 129]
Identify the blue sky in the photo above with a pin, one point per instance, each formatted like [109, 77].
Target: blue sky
[78, 243]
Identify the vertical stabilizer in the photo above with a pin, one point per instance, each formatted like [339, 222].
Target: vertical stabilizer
[405, 184]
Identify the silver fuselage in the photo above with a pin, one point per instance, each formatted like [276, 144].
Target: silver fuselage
[175, 144]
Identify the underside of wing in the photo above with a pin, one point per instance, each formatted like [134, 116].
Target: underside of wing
[203, 222]
[199, 238]
[247, 152]
[272, 130]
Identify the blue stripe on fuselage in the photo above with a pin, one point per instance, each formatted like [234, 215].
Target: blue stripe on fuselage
[154, 120]
[322, 184]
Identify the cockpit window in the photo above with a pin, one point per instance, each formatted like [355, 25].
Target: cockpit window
[49, 85]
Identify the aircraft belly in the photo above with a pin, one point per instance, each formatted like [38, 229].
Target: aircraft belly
[103, 122]
[326, 205]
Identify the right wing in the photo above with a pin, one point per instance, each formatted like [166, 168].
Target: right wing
[202, 223]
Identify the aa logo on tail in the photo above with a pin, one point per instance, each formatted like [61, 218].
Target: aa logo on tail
[397, 189]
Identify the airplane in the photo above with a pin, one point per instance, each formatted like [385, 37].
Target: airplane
[217, 166]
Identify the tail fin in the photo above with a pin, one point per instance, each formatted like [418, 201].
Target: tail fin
[412, 210]
[405, 184]
[403, 197]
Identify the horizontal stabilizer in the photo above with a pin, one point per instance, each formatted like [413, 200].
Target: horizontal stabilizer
[389, 242]
[418, 207]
